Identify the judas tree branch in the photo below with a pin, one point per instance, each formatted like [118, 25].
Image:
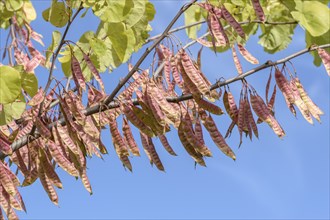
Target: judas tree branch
[98, 108]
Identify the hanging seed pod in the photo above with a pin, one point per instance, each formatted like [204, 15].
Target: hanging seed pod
[236, 61]
[217, 31]
[258, 9]
[246, 54]
[208, 106]
[199, 131]
[189, 148]
[166, 145]
[129, 138]
[284, 86]
[230, 105]
[216, 136]
[232, 22]
[94, 71]
[77, 74]
[325, 57]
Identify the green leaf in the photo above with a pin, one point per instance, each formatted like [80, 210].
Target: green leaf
[29, 11]
[14, 5]
[313, 16]
[10, 84]
[150, 11]
[29, 83]
[122, 43]
[192, 15]
[275, 38]
[56, 37]
[57, 14]
[12, 110]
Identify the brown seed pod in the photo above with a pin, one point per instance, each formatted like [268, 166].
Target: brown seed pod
[42, 128]
[191, 137]
[60, 159]
[128, 135]
[236, 60]
[117, 139]
[199, 131]
[325, 57]
[312, 107]
[208, 106]
[300, 103]
[37, 98]
[48, 169]
[216, 136]
[189, 148]
[217, 31]
[250, 119]
[77, 74]
[241, 118]
[232, 22]
[258, 9]
[246, 54]
[284, 86]
[166, 145]
[94, 71]
[5, 146]
[230, 105]
[47, 184]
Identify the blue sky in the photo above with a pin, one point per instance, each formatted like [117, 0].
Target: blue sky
[271, 178]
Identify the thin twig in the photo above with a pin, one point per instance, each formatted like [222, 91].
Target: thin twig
[98, 108]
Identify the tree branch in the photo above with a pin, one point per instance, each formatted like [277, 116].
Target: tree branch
[96, 109]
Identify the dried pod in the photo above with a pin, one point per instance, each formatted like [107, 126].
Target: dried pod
[258, 9]
[77, 74]
[94, 71]
[166, 145]
[232, 22]
[325, 57]
[129, 138]
[236, 60]
[246, 54]
[230, 105]
[212, 108]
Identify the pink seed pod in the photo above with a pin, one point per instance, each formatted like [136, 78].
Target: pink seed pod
[258, 9]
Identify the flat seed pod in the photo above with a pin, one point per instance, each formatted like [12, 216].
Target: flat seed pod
[232, 22]
[230, 105]
[208, 106]
[48, 169]
[5, 146]
[216, 136]
[199, 131]
[217, 31]
[117, 139]
[46, 183]
[236, 61]
[60, 159]
[191, 137]
[284, 86]
[154, 155]
[37, 98]
[42, 128]
[94, 71]
[246, 54]
[77, 74]
[166, 145]
[258, 9]
[189, 148]
[129, 138]
[6, 182]
[325, 57]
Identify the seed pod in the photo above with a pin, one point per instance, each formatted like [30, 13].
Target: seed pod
[199, 131]
[77, 74]
[240, 119]
[6, 181]
[48, 169]
[232, 22]
[129, 138]
[300, 103]
[217, 31]
[260, 108]
[325, 57]
[206, 43]
[312, 107]
[155, 108]
[250, 119]
[246, 54]
[42, 128]
[175, 72]
[154, 155]
[145, 144]
[230, 105]
[166, 145]
[5, 146]
[258, 9]
[236, 61]
[284, 86]
[46, 183]
[94, 71]
[214, 109]
[191, 137]
[117, 139]
[60, 159]
[216, 136]
[189, 148]
[127, 109]
[85, 180]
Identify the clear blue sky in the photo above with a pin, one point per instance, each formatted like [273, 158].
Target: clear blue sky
[271, 179]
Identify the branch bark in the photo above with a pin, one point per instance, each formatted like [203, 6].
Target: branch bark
[95, 109]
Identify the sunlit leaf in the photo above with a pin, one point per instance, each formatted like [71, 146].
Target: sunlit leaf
[10, 84]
